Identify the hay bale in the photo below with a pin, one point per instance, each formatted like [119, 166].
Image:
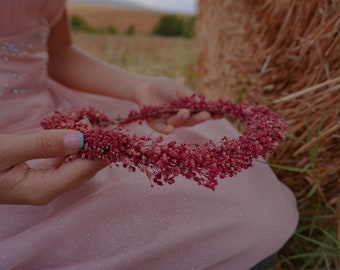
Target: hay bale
[286, 55]
[220, 47]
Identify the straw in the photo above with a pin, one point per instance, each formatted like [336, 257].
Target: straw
[286, 55]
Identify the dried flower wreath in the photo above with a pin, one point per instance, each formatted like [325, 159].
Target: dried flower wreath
[203, 163]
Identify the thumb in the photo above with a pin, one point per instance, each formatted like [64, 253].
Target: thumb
[15, 149]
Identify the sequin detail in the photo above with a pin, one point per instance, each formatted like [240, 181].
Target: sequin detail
[22, 58]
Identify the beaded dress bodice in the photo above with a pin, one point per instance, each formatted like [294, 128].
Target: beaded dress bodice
[23, 62]
[24, 31]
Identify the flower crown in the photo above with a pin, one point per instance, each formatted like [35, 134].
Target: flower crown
[163, 162]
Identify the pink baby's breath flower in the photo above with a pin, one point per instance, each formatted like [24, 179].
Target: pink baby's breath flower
[163, 162]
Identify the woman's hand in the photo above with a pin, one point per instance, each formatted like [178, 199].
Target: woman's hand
[160, 91]
[38, 185]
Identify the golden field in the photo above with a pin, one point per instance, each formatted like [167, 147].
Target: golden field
[142, 53]
[104, 15]
[148, 55]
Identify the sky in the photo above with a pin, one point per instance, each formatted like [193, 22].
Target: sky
[185, 6]
[181, 6]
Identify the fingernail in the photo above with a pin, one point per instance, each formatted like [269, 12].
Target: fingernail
[87, 121]
[74, 140]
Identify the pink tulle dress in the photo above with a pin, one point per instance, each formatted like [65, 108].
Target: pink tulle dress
[117, 220]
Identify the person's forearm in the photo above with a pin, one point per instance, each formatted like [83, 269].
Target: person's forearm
[78, 70]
